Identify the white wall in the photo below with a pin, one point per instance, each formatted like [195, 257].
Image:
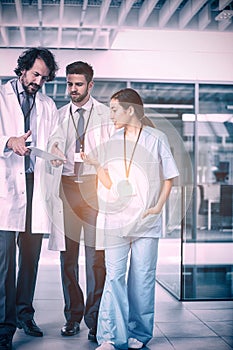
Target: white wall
[153, 55]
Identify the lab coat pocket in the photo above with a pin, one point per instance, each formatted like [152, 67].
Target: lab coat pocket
[3, 182]
[51, 180]
[148, 223]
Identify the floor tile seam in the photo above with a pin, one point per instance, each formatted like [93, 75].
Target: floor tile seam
[228, 322]
[199, 317]
[178, 322]
[231, 338]
[210, 310]
[215, 335]
[205, 339]
[219, 335]
[164, 336]
[177, 341]
[215, 308]
[210, 328]
[169, 339]
[188, 336]
[225, 341]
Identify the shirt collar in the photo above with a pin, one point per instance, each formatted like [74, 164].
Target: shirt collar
[17, 86]
[20, 87]
[86, 106]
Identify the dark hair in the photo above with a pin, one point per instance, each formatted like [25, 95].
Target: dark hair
[80, 67]
[129, 97]
[28, 57]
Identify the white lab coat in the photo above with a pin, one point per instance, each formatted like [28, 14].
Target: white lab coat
[152, 163]
[12, 173]
[100, 128]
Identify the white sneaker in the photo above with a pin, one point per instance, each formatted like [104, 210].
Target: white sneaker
[106, 346]
[134, 343]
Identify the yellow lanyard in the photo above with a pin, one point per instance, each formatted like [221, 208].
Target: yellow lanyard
[127, 168]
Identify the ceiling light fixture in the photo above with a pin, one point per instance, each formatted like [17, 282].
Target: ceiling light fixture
[224, 15]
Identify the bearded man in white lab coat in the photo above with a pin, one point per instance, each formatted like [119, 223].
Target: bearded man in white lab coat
[23, 204]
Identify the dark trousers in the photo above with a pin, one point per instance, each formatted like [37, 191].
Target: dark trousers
[17, 302]
[7, 282]
[80, 211]
[29, 254]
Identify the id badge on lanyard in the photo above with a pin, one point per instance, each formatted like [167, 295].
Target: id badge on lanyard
[77, 157]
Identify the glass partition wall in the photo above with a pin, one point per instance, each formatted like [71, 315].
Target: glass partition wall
[205, 256]
[213, 248]
[196, 249]
[164, 104]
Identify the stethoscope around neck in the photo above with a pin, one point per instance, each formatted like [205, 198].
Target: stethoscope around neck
[33, 101]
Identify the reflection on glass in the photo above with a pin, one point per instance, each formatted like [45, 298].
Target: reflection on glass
[208, 259]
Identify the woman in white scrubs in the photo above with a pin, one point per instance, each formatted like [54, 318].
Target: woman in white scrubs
[137, 172]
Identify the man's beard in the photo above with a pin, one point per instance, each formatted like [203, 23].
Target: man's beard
[28, 90]
[26, 85]
[79, 98]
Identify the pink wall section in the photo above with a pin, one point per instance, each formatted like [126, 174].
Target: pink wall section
[150, 55]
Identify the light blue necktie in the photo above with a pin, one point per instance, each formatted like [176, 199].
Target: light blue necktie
[80, 140]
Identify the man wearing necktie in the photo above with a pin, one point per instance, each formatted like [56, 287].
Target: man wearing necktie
[79, 195]
[26, 108]
[26, 116]
[80, 140]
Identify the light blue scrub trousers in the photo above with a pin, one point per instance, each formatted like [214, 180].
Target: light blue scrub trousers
[127, 304]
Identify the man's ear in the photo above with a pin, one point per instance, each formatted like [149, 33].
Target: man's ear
[90, 85]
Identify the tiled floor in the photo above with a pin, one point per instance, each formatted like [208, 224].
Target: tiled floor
[178, 325]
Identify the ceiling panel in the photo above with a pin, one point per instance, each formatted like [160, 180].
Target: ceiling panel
[95, 24]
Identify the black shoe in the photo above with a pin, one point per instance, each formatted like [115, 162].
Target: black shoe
[30, 328]
[92, 335]
[5, 342]
[70, 328]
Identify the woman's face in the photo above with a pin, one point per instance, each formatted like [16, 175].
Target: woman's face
[119, 115]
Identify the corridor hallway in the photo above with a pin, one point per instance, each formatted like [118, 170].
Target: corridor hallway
[178, 325]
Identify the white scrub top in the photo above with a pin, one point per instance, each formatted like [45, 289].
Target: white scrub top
[128, 197]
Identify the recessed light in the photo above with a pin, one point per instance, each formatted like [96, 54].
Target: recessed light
[224, 15]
